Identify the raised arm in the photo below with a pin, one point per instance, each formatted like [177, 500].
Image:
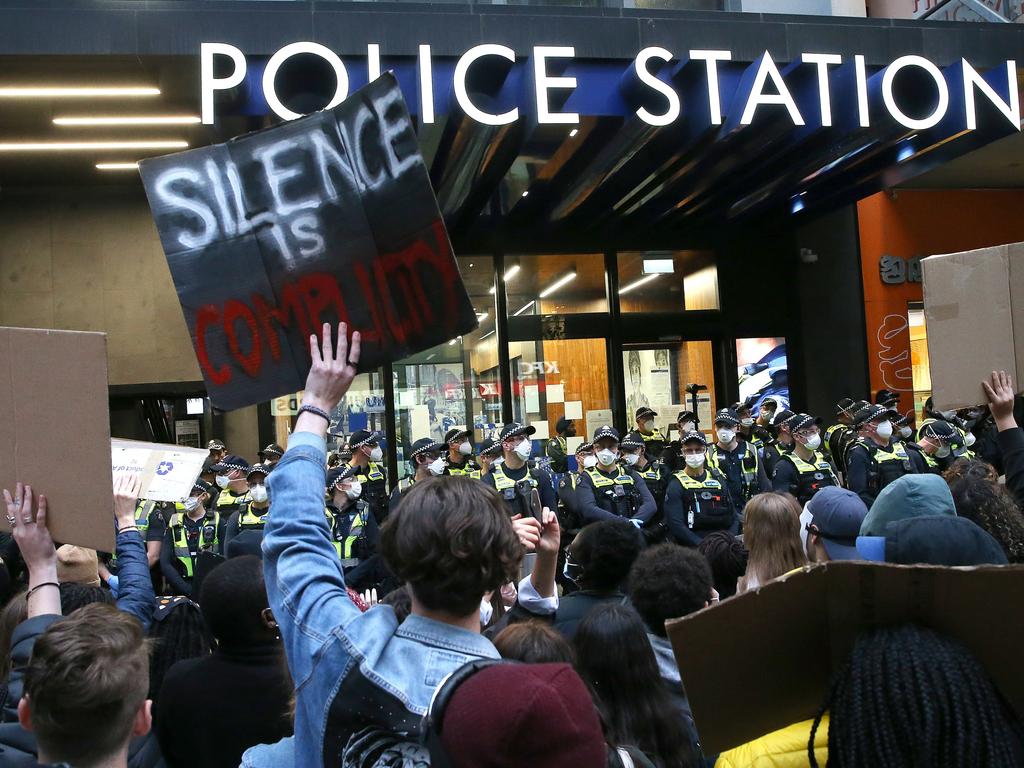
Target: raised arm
[36, 545]
[1000, 394]
[134, 584]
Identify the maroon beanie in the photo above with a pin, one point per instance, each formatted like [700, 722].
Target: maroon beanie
[514, 715]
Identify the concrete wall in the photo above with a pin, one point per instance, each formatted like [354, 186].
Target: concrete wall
[91, 260]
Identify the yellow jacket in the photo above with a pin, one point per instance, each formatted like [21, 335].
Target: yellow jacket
[784, 748]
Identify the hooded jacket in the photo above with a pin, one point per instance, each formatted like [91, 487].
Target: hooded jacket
[909, 496]
[784, 748]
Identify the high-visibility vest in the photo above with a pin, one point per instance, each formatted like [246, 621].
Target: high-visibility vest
[706, 501]
[347, 541]
[886, 464]
[469, 469]
[617, 495]
[749, 463]
[516, 496]
[811, 476]
[228, 502]
[249, 520]
[208, 539]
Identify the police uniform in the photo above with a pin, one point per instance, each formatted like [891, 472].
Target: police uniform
[557, 447]
[742, 467]
[871, 467]
[614, 493]
[467, 467]
[228, 502]
[249, 521]
[697, 506]
[940, 431]
[569, 518]
[655, 441]
[803, 478]
[151, 520]
[773, 448]
[671, 455]
[354, 530]
[186, 539]
[421, 446]
[655, 476]
[516, 486]
[491, 450]
[373, 477]
[271, 454]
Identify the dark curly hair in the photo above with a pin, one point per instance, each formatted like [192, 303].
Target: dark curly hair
[667, 582]
[727, 557]
[606, 551]
[978, 497]
[451, 540]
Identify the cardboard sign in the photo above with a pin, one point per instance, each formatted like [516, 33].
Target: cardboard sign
[168, 471]
[55, 429]
[330, 217]
[764, 660]
[974, 311]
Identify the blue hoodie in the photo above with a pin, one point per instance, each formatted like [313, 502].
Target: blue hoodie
[909, 496]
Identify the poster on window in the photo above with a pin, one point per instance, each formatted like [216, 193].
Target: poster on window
[763, 371]
[649, 381]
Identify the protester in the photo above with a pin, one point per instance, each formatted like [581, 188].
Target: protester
[533, 642]
[13, 614]
[727, 557]
[616, 662]
[178, 633]
[243, 686]
[978, 496]
[698, 501]
[836, 516]
[910, 696]
[1010, 437]
[932, 540]
[771, 533]
[910, 496]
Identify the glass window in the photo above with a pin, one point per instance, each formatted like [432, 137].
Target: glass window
[669, 378]
[454, 384]
[762, 370]
[667, 281]
[555, 284]
[919, 356]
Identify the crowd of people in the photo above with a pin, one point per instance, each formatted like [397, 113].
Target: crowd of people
[496, 610]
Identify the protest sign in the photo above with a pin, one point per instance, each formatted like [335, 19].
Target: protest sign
[167, 471]
[974, 313]
[764, 660]
[55, 430]
[329, 217]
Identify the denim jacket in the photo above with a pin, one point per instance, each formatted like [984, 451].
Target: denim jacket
[363, 683]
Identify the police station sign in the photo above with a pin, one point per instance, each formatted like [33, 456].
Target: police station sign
[813, 90]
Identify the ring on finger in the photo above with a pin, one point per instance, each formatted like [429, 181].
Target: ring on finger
[10, 519]
[27, 519]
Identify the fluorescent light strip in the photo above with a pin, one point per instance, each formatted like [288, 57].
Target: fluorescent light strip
[481, 316]
[517, 314]
[140, 120]
[509, 274]
[637, 284]
[558, 284]
[117, 166]
[63, 91]
[87, 146]
[489, 333]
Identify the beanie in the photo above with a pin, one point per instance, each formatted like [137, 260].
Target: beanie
[77, 565]
[514, 715]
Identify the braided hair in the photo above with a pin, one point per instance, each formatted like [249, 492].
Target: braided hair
[909, 696]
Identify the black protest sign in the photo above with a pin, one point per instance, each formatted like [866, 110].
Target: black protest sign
[330, 217]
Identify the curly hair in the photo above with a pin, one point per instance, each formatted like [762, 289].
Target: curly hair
[727, 557]
[667, 582]
[451, 540]
[606, 550]
[978, 497]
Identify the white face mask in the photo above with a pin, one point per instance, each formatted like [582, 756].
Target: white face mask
[376, 454]
[942, 452]
[747, 422]
[354, 490]
[647, 426]
[630, 458]
[465, 448]
[486, 611]
[524, 449]
[436, 467]
[884, 430]
[222, 481]
[969, 439]
[685, 427]
[258, 493]
[607, 457]
[726, 435]
[589, 461]
[191, 504]
[906, 432]
[694, 460]
[813, 442]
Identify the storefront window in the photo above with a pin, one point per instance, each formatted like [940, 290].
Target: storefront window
[555, 284]
[669, 378]
[763, 370]
[667, 281]
[919, 356]
[454, 384]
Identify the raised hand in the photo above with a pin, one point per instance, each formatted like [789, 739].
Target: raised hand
[126, 495]
[331, 372]
[1000, 394]
[28, 522]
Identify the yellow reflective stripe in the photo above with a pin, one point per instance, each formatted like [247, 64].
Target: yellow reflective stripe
[602, 481]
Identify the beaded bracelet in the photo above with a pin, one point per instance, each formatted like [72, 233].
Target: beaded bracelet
[316, 411]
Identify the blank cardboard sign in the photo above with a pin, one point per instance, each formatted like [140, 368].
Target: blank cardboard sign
[763, 660]
[55, 429]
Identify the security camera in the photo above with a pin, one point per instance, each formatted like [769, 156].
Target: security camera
[808, 256]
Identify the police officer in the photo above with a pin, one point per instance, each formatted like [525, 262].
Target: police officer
[244, 529]
[804, 471]
[513, 478]
[271, 455]
[698, 501]
[217, 450]
[888, 398]
[671, 456]
[234, 490]
[460, 454]
[191, 532]
[746, 429]
[933, 452]
[368, 468]
[633, 452]
[427, 459]
[607, 491]
[873, 460]
[489, 455]
[653, 439]
[737, 460]
[780, 441]
[569, 518]
[902, 430]
[557, 447]
[151, 520]
[354, 531]
[831, 444]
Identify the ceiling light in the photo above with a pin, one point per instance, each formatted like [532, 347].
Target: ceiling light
[636, 284]
[117, 166]
[491, 290]
[517, 314]
[137, 120]
[511, 272]
[573, 132]
[481, 316]
[85, 146]
[558, 284]
[63, 91]
[489, 333]
[526, 192]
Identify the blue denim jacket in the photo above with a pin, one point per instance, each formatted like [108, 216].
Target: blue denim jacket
[360, 678]
[135, 586]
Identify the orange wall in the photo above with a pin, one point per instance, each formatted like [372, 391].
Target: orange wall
[921, 223]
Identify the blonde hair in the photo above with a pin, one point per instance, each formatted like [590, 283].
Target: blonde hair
[771, 533]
